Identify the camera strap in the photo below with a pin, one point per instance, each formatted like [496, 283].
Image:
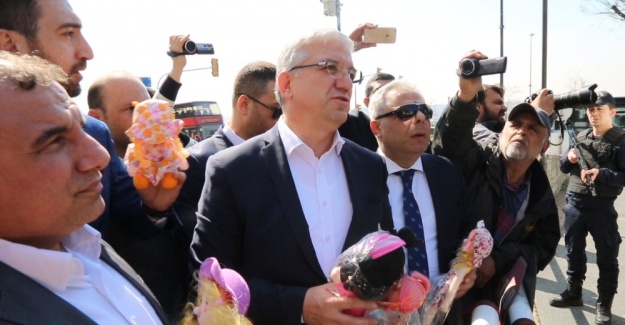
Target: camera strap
[174, 54]
[559, 121]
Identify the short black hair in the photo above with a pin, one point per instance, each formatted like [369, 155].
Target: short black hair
[252, 79]
[481, 94]
[378, 76]
[20, 16]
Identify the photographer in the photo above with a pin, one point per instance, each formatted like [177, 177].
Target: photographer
[512, 189]
[585, 213]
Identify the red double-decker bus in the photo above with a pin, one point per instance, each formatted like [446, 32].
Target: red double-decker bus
[201, 118]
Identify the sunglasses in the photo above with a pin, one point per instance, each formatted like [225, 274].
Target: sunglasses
[276, 111]
[409, 111]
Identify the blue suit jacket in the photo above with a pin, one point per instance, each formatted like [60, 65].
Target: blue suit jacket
[123, 203]
[187, 202]
[25, 301]
[251, 219]
[453, 216]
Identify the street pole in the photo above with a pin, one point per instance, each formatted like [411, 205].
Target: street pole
[531, 38]
[544, 72]
[338, 15]
[501, 38]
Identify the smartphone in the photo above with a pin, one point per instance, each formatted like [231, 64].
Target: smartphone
[380, 35]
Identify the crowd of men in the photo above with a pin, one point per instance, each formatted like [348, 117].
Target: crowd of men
[280, 191]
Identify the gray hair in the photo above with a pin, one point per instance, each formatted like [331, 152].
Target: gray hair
[27, 71]
[297, 52]
[379, 100]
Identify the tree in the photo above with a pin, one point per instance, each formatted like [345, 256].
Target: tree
[612, 8]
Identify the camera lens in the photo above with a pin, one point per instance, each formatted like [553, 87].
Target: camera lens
[467, 67]
[189, 47]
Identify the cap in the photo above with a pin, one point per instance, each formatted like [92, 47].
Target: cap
[542, 116]
[229, 280]
[604, 98]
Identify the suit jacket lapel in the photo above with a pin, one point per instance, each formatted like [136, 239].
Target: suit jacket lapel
[111, 258]
[221, 140]
[355, 186]
[24, 301]
[281, 178]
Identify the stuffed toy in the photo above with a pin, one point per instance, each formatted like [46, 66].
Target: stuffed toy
[473, 251]
[223, 297]
[373, 270]
[156, 151]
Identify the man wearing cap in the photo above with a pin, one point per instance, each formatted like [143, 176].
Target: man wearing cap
[586, 213]
[507, 186]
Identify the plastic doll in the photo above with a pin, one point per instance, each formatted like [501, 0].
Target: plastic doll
[474, 250]
[156, 150]
[373, 269]
[222, 298]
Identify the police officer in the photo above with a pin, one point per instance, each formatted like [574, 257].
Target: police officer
[584, 213]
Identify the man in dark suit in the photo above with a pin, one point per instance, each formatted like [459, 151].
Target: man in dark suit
[254, 111]
[282, 206]
[401, 124]
[52, 265]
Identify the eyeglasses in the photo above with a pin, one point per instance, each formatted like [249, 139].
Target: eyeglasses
[332, 68]
[409, 111]
[276, 111]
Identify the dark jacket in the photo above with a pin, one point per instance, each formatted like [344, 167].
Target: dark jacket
[536, 237]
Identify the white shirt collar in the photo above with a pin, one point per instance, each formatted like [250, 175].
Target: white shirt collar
[232, 136]
[393, 167]
[52, 269]
[291, 141]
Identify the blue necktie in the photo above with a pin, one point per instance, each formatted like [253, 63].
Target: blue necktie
[417, 257]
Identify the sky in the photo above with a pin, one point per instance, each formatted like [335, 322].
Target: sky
[432, 36]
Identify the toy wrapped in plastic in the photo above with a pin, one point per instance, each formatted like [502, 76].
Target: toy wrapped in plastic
[474, 250]
[373, 270]
[222, 298]
[156, 151]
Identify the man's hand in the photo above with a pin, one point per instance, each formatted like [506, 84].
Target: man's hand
[176, 44]
[572, 156]
[161, 199]
[358, 36]
[485, 272]
[545, 101]
[323, 305]
[470, 87]
[593, 173]
[467, 284]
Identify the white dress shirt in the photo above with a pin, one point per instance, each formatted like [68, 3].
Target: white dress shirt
[422, 194]
[233, 137]
[79, 277]
[323, 194]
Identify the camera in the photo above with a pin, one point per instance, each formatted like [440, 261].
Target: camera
[191, 47]
[471, 68]
[579, 98]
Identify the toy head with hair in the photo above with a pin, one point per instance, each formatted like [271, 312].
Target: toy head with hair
[222, 298]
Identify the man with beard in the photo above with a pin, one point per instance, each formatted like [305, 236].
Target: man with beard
[509, 188]
[492, 110]
[51, 30]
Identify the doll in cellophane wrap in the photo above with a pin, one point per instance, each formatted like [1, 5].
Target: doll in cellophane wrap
[473, 251]
[373, 270]
[156, 151]
[223, 297]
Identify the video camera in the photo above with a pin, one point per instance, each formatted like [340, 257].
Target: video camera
[579, 98]
[191, 47]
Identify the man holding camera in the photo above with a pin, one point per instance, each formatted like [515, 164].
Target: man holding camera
[593, 212]
[509, 187]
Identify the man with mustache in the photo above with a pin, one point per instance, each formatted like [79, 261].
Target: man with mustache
[492, 110]
[51, 30]
[53, 267]
[508, 187]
